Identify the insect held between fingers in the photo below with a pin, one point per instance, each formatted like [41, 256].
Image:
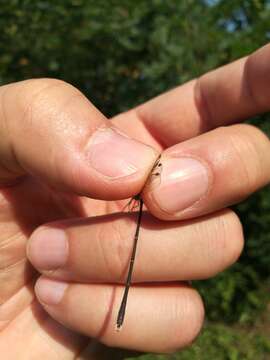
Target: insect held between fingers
[137, 198]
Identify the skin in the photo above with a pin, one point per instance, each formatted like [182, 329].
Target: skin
[47, 183]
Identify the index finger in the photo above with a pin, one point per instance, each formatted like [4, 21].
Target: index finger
[223, 96]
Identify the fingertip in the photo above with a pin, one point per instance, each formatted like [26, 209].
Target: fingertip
[112, 166]
[115, 155]
[50, 292]
[48, 248]
[180, 182]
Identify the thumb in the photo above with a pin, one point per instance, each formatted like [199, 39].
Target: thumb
[51, 131]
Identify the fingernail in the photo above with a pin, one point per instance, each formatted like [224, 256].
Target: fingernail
[50, 291]
[183, 182]
[116, 155]
[48, 248]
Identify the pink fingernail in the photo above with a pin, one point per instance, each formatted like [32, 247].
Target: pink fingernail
[116, 155]
[48, 248]
[50, 291]
[183, 182]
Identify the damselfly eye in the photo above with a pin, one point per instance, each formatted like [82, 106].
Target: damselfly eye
[155, 176]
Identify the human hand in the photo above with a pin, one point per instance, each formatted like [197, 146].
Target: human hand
[50, 143]
[225, 165]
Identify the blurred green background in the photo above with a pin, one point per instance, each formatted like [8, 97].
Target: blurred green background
[121, 53]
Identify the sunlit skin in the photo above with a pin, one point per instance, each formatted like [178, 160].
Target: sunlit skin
[50, 182]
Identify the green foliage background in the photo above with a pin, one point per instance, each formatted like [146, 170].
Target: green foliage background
[121, 53]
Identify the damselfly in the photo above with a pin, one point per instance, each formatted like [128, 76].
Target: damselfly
[136, 201]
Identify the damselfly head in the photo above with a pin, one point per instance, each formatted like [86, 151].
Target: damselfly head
[155, 175]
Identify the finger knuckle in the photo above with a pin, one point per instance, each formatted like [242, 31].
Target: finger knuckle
[115, 249]
[257, 77]
[30, 91]
[226, 241]
[36, 98]
[249, 144]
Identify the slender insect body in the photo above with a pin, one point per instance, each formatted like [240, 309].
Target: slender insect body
[135, 201]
